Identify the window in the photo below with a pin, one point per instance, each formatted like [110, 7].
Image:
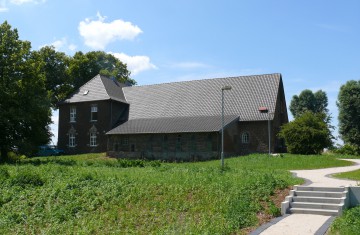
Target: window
[94, 111]
[72, 114]
[93, 139]
[245, 138]
[125, 141]
[71, 139]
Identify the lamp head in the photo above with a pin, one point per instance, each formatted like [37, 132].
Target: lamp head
[226, 88]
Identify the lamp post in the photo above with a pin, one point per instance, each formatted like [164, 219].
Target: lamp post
[224, 88]
[266, 110]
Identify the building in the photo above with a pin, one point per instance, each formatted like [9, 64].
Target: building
[88, 114]
[175, 121]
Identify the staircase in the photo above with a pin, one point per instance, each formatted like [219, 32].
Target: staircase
[329, 201]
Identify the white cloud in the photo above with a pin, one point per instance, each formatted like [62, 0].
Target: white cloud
[98, 34]
[135, 64]
[3, 7]
[20, 2]
[61, 44]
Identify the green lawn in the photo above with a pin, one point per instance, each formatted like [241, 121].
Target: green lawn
[92, 194]
[353, 175]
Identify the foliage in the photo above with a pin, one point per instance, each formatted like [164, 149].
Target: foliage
[86, 66]
[307, 134]
[348, 223]
[346, 149]
[349, 113]
[91, 194]
[65, 74]
[24, 105]
[308, 101]
[54, 66]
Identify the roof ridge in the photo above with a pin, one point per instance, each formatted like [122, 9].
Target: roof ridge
[196, 116]
[216, 78]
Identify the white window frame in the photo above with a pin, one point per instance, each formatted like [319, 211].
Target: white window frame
[94, 109]
[72, 114]
[245, 138]
[93, 140]
[72, 139]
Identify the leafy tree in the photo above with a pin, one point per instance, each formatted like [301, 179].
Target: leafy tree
[24, 104]
[307, 134]
[349, 113]
[55, 67]
[83, 67]
[308, 101]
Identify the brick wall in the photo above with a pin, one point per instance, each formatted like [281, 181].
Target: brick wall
[109, 114]
[172, 147]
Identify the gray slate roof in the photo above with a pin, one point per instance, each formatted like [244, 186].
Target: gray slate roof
[173, 125]
[203, 98]
[99, 88]
[195, 106]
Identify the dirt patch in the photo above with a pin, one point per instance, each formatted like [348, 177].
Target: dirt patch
[263, 216]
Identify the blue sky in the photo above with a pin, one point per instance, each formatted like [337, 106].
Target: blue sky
[313, 44]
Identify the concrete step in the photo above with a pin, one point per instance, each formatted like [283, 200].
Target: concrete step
[309, 205]
[314, 211]
[327, 200]
[320, 189]
[319, 194]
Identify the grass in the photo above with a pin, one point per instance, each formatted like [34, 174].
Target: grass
[92, 194]
[347, 224]
[352, 175]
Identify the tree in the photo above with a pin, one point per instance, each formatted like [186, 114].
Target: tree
[83, 67]
[307, 134]
[349, 113]
[308, 101]
[24, 105]
[55, 67]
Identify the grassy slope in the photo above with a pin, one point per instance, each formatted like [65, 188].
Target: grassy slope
[92, 194]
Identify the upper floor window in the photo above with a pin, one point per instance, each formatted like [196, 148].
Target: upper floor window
[93, 139]
[245, 138]
[72, 114]
[94, 111]
[71, 139]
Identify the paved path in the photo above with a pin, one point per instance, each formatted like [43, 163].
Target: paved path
[311, 224]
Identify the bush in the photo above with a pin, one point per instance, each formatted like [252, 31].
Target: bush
[307, 134]
[347, 149]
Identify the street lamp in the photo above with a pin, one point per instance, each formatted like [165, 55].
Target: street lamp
[266, 110]
[224, 88]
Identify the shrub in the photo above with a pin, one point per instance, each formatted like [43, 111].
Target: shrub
[346, 149]
[307, 134]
